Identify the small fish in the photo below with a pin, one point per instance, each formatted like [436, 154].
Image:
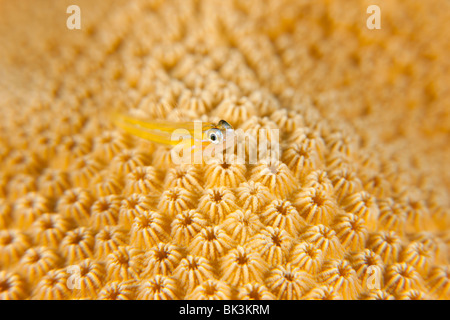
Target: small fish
[192, 134]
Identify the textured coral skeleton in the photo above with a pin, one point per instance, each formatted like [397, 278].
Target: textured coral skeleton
[360, 188]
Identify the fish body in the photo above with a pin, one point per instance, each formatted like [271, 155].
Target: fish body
[195, 136]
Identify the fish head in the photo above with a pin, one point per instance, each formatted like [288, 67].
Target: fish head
[217, 134]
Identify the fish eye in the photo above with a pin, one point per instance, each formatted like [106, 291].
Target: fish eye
[215, 136]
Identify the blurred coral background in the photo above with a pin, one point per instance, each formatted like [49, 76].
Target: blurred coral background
[364, 176]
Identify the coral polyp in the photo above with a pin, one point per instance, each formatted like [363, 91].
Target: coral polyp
[12, 287]
[329, 175]
[53, 286]
[283, 215]
[147, 229]
[242, 265]
[158, 287]
[77, 245]
[193, 270]
[37, 262]
[76, 204]
[125, 263]
[13, 244]
[108, 240]
[211, 243]
[241, 226]
[306, 256]
[220, 173]
[316, 206]
[217, 203]
[400, 277]
[186, 225]
[324, 239]
[162, 259]
[289, 282]
[175, 200]
[118, 290]
[273, 244]
[253, 196]
[275, 175]
[255, 291]
[211, 290]
[50, 229]
[342, 277]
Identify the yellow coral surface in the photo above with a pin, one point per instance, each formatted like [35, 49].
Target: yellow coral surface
[355, 207]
